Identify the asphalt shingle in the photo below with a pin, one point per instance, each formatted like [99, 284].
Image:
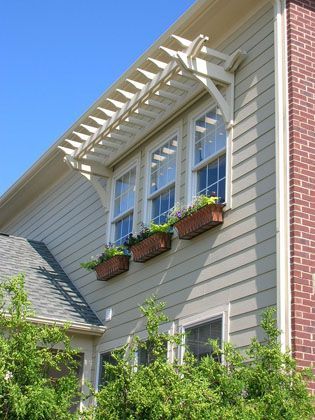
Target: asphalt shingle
[49, 289]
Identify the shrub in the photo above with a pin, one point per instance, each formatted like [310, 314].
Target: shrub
[263, 384]
[28, 355]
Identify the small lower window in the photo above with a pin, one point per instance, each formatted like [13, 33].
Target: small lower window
[104, 377]
[198, 336]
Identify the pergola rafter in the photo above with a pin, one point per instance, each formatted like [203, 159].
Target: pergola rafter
[137, 108]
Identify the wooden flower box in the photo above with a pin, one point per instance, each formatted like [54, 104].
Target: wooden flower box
[203, 219]
[112, 267]
[151, 247]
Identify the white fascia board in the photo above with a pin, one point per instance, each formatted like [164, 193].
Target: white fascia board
[75, 327]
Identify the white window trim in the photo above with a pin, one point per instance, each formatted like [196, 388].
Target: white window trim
[147, 200]
[121, 170]
[191, 174]
[203, 317]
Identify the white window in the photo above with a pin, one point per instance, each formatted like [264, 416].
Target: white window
[123, 206]
[198, 336]
[209, 154]
[162, 179]
[104, 377]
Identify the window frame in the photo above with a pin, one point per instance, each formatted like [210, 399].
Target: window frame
[106, 348]
[202, 318]
[148, 196]
[121, 171]
[191, 175]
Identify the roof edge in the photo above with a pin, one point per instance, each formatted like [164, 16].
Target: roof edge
[77, 327]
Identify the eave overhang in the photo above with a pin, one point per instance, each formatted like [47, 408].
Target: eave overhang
[160, 87]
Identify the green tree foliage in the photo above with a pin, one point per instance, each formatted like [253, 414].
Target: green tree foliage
[262, 384]
[28, 354]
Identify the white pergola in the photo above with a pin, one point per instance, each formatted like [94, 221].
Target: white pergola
[119, 124]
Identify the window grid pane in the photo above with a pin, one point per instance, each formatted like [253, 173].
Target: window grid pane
[104, 377]
[197, 338]
[163, 165]
[209, 134]
[125, 192]
[211, 178]
[162, 204]
[122, 229]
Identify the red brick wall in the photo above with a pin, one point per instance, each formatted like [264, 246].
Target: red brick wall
[301, 78]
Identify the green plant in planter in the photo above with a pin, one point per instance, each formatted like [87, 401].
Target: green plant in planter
[147, 231]
[109, 251]
[179, 212]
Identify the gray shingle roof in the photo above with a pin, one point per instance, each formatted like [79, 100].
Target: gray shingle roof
[51, 292]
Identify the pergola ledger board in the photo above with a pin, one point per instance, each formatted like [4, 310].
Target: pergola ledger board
[173, 85]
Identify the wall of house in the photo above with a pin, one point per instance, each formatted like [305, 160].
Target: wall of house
[232, 266]
[301, 61]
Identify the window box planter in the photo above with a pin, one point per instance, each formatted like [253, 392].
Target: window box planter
[152, 246]
[112, 267]
[198, 222]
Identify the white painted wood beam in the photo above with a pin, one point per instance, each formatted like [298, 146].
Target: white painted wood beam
[204, 68]
[127, 129]
[210, 52]
[99, 121]
[114, 144]
[118, 136]
[93, 168]
[146, 112]
[178, 85]
[137, 121]
[125, 93]
[81, 136]
[156, 104]
[159, 64]
[148, 74]
[117, 104]
[66, 150]
[94, 158]
[168, 95]
[132, 104]
[89, 128]
[137, 85]
[107, 112]
[73, 143]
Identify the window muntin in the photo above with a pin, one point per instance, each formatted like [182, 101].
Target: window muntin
[162, 179]
[209, 142]
[124, 199]
[198, 336]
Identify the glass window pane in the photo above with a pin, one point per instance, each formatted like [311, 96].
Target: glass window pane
[122, 229]
[202, 181]
[163, 165]
[209, 135]
[161, 206]
[222, 164]
[197, 338]
[104, 376]
[211, 178]
[124, 192]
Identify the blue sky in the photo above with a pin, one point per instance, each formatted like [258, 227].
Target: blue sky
[58, 57]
